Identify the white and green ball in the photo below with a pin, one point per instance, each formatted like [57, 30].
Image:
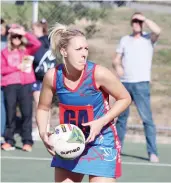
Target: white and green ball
[68, 141]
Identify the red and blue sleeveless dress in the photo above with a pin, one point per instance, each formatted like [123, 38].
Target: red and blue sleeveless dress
[84, 104]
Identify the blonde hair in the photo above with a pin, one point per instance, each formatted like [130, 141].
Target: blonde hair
[60, 37]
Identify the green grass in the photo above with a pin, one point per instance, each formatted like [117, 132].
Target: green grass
[36, 169]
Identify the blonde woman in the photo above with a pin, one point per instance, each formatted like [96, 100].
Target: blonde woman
[17, 79]
[83, 87]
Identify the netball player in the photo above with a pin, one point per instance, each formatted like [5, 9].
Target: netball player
[83, 89]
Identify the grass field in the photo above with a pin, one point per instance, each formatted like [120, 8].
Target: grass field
[19, 166]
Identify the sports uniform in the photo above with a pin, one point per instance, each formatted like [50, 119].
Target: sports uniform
[84, 104]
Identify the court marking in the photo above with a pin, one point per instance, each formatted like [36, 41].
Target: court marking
[49, 159]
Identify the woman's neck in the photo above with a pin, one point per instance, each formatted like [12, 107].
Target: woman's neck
[72, 74]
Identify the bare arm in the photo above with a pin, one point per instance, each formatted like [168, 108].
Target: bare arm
[45, 101]
[154, 28]
[117, 64]
[110, 83]
[35, 43]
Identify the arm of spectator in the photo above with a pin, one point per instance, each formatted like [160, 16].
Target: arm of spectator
[117, 60]
[154, 28]
[117, 64]
[5, 68]
[35, 43]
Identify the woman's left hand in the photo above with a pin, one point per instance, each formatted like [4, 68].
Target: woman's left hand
[95, 129]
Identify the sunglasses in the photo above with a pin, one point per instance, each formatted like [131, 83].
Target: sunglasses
[14, 36]
[136, 21]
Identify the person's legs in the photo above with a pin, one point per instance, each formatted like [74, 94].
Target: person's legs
[35, 132]
[25, 103]
[121, 122]
[10, 93]
[93, 178]
[36, 95]
[36, 88]
[141, 96]
[3, 113]
[62, 175]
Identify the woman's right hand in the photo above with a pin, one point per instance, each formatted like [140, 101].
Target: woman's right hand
[23, 67]
[45, 139]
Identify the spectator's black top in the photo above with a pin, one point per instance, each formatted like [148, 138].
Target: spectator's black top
[42, 50]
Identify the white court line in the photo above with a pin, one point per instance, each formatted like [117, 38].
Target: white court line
[147, 164]
[49, 159]
[25, 158]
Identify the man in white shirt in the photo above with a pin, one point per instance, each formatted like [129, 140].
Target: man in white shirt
[132, 63]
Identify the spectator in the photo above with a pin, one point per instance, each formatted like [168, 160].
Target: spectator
[4, 33]
[40, 30]
[133, 64]
[17, 79]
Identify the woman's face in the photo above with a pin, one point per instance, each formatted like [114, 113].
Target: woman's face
[3, 30]
[77, 52]
[37, 31]
[16, 39]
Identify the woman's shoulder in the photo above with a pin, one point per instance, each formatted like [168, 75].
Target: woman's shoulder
[49, 76]
[101, 71]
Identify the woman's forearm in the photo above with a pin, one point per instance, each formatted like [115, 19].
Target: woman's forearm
[35, 43]
[42, 117]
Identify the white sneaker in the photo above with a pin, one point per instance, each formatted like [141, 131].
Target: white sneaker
[154, 158]
[35, 135]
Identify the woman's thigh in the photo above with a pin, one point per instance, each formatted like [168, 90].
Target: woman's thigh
[93, 178]
[62, 175]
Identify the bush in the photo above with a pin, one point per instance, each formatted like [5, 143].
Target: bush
[91, 30]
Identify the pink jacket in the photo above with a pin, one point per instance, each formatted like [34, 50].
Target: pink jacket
[10, 60]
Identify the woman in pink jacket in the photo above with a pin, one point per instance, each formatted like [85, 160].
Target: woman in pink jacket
[17, 80]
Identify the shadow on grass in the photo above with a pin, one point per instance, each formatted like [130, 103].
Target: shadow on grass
[134, 156]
